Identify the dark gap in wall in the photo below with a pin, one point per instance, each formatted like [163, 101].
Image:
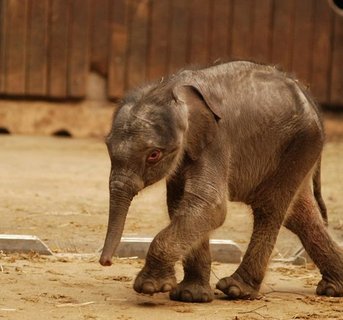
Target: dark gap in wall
[62, 133]
[4, 131]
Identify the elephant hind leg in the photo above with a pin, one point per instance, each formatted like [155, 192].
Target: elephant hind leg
[269, 209]
[305, 221]
[270, 202]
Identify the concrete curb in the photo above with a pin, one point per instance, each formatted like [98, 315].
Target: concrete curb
[226, 251]
[10, 243]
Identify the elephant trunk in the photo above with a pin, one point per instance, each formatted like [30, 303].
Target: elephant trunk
[120, 200]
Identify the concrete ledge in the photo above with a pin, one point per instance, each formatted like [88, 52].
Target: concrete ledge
[221, 250]
[22, 243]
[80, 119]
[300, 257]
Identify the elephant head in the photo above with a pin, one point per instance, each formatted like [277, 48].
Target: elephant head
[153, 129]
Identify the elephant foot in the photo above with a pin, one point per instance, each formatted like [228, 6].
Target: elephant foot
[235, 288]
[148, 283]
[190, 291]
[329, 288]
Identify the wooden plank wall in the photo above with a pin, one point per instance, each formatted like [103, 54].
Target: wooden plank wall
[44, 48]
[48, 47]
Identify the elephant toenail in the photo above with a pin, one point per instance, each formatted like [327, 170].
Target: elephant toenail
[166, 287]
[186, 296]
[330, 292]
[234, 292]
[205, 298]
[148, 288]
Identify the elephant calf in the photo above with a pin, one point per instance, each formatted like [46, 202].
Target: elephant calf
[238, 131]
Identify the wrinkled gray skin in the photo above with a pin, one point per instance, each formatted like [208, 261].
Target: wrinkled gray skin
[238, 131]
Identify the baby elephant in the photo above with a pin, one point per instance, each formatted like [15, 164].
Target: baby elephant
[238, 131]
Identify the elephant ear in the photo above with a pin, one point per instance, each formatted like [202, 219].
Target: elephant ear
[203, 114]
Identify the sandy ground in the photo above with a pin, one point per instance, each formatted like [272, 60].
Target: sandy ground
[57, 189]
[70, 288]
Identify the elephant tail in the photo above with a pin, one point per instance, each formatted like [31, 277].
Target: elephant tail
[317, 191]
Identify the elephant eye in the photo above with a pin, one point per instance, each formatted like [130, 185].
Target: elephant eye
[154, 156]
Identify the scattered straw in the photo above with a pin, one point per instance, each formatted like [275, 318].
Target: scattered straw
[75, 304]
[8, 309]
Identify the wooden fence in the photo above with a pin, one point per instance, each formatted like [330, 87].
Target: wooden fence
[48, 47]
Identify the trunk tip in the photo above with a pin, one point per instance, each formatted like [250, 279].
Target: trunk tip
[106, 262]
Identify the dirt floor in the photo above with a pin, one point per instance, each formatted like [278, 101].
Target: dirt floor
[57, 189]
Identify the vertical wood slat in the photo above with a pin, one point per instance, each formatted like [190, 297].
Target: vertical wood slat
[242, 29]
[200, 33]
[303, 40]
[282, 33]
[336, 97]
[78, 62]
[3, 5]
[100, 30]
[179, 34]
[158, 53]
[221, 34]
[118, 48]
[321, 53]
[36, 80]
[138, 42]
[15, 46]
[58, 48]
[262, 31]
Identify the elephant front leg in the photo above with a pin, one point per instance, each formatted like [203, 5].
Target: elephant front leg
[195, 287]
[156, 276]
[186, 236]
